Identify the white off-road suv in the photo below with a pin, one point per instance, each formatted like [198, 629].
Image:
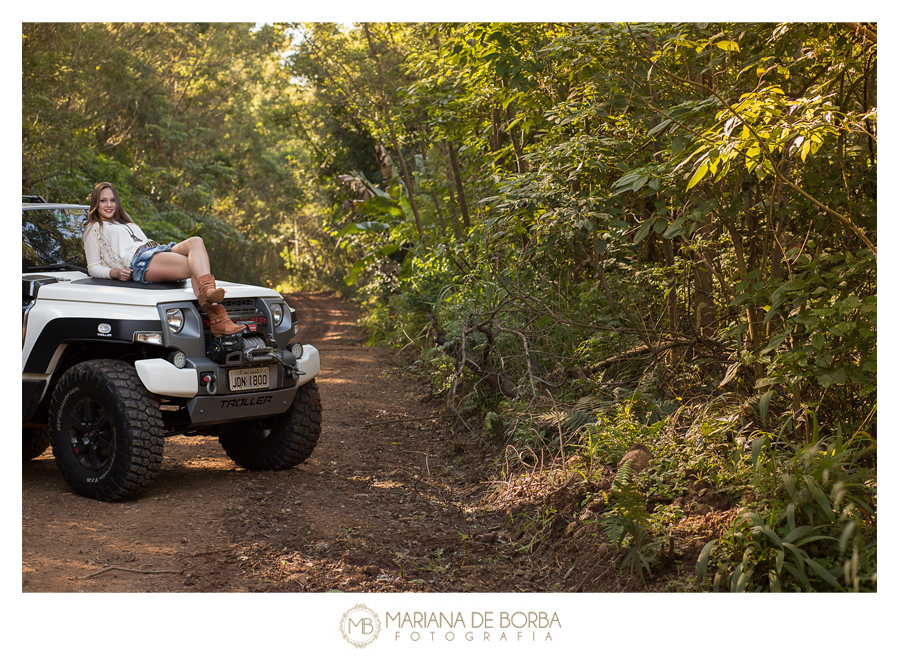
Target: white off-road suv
[110, 368]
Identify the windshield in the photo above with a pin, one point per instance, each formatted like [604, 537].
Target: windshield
[52, 235]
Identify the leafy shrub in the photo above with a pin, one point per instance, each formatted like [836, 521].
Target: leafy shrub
[610, 438]
[819, 534]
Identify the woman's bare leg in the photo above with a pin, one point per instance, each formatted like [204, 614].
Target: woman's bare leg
[187, 259]
[196, 254]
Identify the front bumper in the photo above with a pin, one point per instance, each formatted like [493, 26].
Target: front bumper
[213, 409]
[207, 406]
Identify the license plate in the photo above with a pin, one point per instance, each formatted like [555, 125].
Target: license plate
[248, 379]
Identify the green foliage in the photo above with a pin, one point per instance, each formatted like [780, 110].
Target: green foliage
[819, 533]
[744, 224]
[766, 544]
[610, 437]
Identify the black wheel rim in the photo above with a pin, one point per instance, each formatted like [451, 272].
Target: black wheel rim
[91, 434]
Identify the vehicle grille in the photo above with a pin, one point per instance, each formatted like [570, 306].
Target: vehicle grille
[240, 305]
[240, 311]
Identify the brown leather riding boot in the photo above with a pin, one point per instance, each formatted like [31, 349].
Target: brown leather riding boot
[219, 322]
[209, 294]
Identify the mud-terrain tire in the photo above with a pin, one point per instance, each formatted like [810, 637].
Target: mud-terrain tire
[276, 444]
[35, 440]
[106, 430]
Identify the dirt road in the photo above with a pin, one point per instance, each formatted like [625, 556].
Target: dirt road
[382, 505]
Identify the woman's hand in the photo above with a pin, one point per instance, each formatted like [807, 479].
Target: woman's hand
[123, 274]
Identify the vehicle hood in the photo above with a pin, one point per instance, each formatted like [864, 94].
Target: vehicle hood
[77, 287]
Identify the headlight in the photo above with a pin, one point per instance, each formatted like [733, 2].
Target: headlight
[179, 360]
[297, 350]
[175, 320]
[277, 313]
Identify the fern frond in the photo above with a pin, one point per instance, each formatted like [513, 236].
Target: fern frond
[576, 419]
[623, 477]
[629, 502]
[571, 418]
[494, 423]
[615, 533]
[552, 418]
[593, 403]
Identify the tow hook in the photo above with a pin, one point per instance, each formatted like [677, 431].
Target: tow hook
[292, 370]
[210, 380]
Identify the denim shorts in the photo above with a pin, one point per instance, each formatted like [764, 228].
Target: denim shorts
[141, 260]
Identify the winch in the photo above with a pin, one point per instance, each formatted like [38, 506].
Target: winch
[246, 350]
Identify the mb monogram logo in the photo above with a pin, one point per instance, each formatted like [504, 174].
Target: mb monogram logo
[360, 626]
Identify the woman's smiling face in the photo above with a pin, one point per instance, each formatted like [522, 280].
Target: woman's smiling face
[107, 204]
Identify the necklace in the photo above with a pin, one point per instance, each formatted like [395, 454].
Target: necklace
[133, 236]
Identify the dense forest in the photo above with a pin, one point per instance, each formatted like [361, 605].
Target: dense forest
[592, 235]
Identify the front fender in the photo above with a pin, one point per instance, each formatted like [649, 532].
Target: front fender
[309, 364]
[163, 378]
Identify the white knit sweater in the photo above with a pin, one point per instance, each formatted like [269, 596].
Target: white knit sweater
[110, 246]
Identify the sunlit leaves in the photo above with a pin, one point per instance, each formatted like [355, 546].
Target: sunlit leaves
[699, 174]
[728, 46]
[362, 227]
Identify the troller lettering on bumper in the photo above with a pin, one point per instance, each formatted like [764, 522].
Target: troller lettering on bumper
[209, 410]
[246, 402]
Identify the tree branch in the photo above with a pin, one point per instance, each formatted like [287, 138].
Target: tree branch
[97, 573]
[863, 31]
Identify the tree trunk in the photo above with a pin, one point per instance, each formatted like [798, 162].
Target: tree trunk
[394, 142]
[668, 248]
[454, 217]
[521, 164]
[703, 290]
[434, 197]
[495, 132]
[671, 297]
[460, 192]
[409, 186]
